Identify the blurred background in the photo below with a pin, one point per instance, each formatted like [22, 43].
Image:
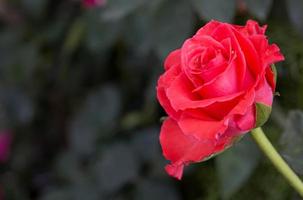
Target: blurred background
[79, 118]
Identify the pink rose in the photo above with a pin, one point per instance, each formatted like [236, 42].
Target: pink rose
[216, 87]
[5, 144]
[93, 3]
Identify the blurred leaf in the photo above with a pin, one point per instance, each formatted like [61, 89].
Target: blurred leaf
[292, 140]
[58, 194]
[259, 8]
[221, 10]
[235, 166]
[100, 35]
[147, 138]
[294, 8]
[85, 190]
[118, 9]
[116, 167]
[13, 187]
[68, 168]
[81, 191]
[131, 120]
[160, 190]
[172, 24]
[97, 118]
[74, 36]
[17, 59]
[15, 106]
[34, 8]
[137, 32]
[274, 70]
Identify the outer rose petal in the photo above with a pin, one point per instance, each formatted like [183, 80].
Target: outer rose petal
[269, 54]
[247, 121]
[173, 59]
[264, 93]
[163, 83]
[93, 3]
[208, 28]
[181, 149]
[251, 28]
[181, 96]
[273, 54]
[200, 129]
[252, 58]
[270, 77]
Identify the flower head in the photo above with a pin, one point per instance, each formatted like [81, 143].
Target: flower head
[216, 87]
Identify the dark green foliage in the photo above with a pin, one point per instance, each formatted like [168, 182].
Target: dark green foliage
[77, 89]
[292, 140]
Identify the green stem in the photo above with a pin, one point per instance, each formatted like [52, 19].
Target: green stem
[277, 160]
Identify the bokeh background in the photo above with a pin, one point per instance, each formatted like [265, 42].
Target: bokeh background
[79, 118]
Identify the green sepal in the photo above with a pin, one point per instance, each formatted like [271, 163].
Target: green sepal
[262, 114]
[274, 70]
[163, 118]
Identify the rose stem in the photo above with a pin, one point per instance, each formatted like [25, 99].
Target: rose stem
[268, 149]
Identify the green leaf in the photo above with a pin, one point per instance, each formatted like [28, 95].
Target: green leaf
[235, 166]
[74, 36]
[34, 8]
[95, 120]
[294, 8]
[117, 9]
[171, 24]
[292, 140]
[100, 34]
[116, 167]
[262, 113]
[138, 25]
[152, 189]
[147, 137]
[57, 194]
[259, 8]
[221, 10]
[16, 106]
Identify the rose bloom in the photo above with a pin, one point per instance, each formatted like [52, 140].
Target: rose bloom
[93, 3]
[212, 88]
[5, 144]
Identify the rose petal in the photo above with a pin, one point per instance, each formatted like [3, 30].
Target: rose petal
[225, 34]
[174, 58]
[200, 129]
[251, 28]
[268, 53]
[196, 52]
[247, 121]
[264, 93]
[163, 83]
[175, 170]
[273, 54]
[181, 149]
[251, 56]
[181, 98]
[246, 101]
[208, 28]
[224, 84]
[270, 77]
